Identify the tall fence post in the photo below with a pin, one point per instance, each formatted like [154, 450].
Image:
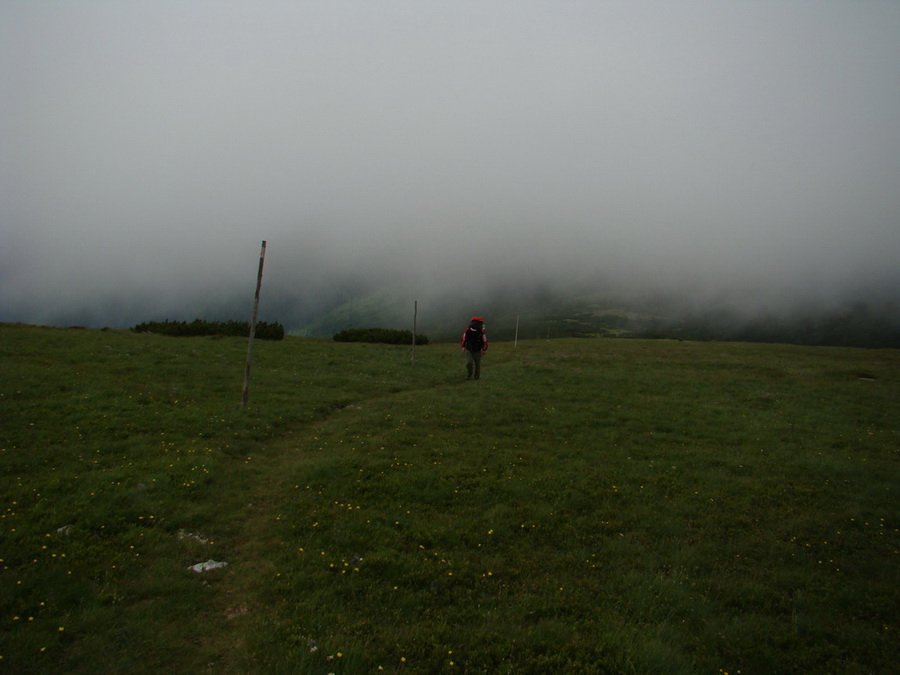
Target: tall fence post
[415, 317]
[245, 394]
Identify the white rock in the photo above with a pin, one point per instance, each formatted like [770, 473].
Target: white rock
[206, 566]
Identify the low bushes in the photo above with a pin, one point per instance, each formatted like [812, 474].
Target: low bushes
[198, 327]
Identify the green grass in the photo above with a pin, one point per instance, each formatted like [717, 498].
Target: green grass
[608, 506]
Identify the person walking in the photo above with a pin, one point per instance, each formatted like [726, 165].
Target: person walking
[474, 343]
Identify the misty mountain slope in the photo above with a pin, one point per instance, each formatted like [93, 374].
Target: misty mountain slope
[539, 313]
[526, 312]
[381, 309]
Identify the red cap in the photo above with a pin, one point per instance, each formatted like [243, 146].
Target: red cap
[477, 318]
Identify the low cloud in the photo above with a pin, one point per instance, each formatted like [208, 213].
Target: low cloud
[471, 155]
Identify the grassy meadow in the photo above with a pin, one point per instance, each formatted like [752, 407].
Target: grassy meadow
[589, 506]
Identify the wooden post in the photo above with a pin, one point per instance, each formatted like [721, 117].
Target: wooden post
[245, 394]
[415, 317]
[516, 341]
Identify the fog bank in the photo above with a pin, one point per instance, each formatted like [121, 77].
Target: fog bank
[463, 154]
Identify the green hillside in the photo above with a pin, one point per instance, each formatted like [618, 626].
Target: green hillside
[604, 505]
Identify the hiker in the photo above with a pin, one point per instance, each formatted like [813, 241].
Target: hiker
[474, 343]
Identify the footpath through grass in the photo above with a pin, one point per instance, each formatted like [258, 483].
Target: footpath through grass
[590, 506]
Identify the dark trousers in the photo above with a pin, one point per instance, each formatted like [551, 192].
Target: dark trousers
[473, 364]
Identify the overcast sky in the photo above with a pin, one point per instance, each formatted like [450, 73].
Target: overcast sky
[149, 147]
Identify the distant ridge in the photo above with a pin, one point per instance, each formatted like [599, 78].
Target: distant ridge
[549, 315]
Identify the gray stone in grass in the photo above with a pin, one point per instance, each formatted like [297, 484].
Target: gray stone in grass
[207, 566]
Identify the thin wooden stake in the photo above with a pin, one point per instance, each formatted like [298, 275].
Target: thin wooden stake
[516, 342]
[245, 394]
[415, 317]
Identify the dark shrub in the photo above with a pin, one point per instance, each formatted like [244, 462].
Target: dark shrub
[264, 330]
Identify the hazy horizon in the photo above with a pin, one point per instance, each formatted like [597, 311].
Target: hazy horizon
[743, 150]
